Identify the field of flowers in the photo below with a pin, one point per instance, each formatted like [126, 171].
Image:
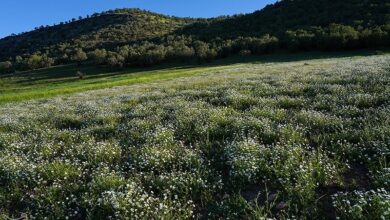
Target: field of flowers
[299, 140]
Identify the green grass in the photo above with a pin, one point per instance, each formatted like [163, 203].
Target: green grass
[13, 91]
[61, 80]
[301, 136]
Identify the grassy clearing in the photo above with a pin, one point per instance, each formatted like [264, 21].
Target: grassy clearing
[58, 86]
[304, 139]
[63, 80]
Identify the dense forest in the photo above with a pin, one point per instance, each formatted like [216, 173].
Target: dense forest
[134, 37]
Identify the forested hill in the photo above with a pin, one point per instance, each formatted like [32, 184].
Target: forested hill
[105, 29]
[285, 15]
[129, 37]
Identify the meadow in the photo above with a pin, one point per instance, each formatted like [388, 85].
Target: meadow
[62, 80]
[292, 139]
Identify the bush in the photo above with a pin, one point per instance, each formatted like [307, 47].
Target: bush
[5, 67]
[80, 75]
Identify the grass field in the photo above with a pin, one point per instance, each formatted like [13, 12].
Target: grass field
[296, 136]
[62, 80]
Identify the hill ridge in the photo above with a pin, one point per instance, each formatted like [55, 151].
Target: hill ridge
[136, 37]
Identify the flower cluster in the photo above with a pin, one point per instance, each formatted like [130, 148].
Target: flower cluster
[251, 141]
[373, 204]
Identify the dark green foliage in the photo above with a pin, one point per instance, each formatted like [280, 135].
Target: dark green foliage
[99, 56]
[299, 40]
[105, 29]
[286, 15]
[378, 36]
[338, 37]
[204, 52]
[114, 59]
[36, 61]
[262, 45]
[79, 56]
[133, 37]
[179, 50]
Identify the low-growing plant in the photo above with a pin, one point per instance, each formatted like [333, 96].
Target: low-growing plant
[253, 141]
[373, 204]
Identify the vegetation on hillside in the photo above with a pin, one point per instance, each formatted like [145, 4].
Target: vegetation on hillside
[293, 15]
[276, 138]
[107, 29]
[65, 79]
[132, 37]
[286, 140]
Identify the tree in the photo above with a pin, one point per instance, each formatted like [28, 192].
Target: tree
[99, 56]
[79, 56]
[133, 56]
[179, 50]
[153, 56]
[226, 48]
[124, 51]
[201, 49]
[269, 43]
[115, 60]
[256, 45]
[20, 63]
[375, 37]
[46, 61]
[204, 52]
[337, 36]
[34, 61]
[299, 40]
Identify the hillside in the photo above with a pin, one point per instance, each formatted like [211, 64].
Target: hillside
[107, 30]
[285, 15]
[276, 137]
[131, 37]
[283, 113]
[61, 80]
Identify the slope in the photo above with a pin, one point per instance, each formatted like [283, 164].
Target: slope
[305, 139]
[106, 29]
[275, 19]
[132, 37]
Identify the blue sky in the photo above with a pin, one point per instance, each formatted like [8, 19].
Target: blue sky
[23, 15]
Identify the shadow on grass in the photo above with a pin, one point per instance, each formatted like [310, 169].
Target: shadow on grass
[67, 73]
[282, 57]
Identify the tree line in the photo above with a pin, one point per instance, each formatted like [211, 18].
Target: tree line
[188, 48]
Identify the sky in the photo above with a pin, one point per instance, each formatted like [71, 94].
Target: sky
[23, 15]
